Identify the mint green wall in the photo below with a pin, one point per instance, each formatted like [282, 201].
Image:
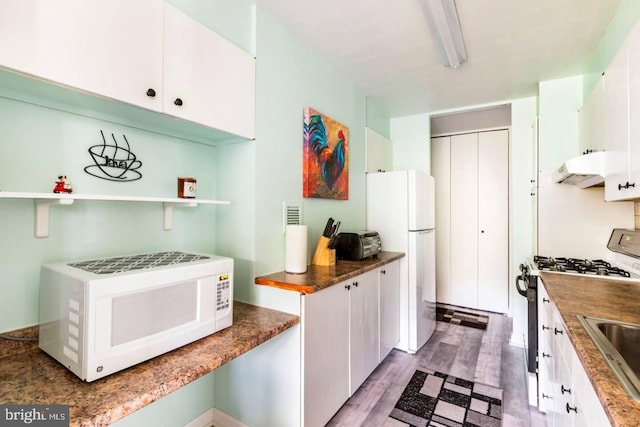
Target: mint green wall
[233, 20]
[624, 20]
[289, 78]
[378, 119]
[258, 178]
[38, 144]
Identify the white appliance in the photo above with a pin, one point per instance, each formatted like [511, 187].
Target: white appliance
[401, 208]
[100, 316]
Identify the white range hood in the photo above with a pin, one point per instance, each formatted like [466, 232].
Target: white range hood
[582, 171]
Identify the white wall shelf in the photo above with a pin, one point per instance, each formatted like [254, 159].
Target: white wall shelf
[43, 201]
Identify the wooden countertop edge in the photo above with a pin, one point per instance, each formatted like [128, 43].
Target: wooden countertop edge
[317, 277]
[102, 402]
[620, 408]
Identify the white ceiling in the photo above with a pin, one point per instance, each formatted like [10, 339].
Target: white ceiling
[384, 47]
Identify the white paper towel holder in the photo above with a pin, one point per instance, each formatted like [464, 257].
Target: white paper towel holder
[296, 249]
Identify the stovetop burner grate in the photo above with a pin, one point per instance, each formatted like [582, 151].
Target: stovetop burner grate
[575, 265]
[135, 262]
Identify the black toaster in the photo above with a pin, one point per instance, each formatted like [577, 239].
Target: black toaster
[358, 245]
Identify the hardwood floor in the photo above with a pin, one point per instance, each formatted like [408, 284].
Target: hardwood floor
[473, 354]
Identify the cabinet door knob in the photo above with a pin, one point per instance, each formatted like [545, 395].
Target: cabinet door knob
[557, 331]
[355, 284]
[383, 271]
[544, 396]
[569, 408]
[564, 390]
[545, 300]
[178, 102]
[546, 328]
[347, 287]
[151, 93]
[546, 355]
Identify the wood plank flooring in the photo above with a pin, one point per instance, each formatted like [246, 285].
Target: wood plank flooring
[473, 354]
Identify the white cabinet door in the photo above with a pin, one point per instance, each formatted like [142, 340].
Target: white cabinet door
[493, 205]
[364, 332]
[546, 356]
[379, 152]
[590, 410]
[616, 100]
[441, 171]
[389, 282]
[88, 45]
[325, 341]
[207, 79]
[634, 113]
[464, 220]
[591, 120]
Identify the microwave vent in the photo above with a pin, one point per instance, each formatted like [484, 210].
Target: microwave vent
[135, 262]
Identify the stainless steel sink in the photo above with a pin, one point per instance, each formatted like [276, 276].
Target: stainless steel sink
[619, 343]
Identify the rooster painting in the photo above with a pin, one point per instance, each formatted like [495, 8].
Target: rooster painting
[325, 157]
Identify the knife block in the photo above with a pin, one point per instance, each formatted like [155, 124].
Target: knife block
[323, 255]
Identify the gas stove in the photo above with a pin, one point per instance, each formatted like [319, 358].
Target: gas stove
[597, 267]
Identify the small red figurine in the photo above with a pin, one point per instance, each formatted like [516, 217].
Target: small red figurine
[62, 185]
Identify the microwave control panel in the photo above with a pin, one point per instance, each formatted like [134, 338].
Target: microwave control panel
[223, 292]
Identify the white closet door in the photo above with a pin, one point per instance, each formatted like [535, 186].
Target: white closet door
[441, 171]
[464, 220]
[493, 221]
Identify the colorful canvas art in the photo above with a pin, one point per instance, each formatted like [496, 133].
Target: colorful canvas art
[325, 157]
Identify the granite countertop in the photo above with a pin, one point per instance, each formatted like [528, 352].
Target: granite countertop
[609, 299]
[319, 277]
[29, 376]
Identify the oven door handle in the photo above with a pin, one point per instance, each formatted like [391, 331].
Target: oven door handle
[521, 278]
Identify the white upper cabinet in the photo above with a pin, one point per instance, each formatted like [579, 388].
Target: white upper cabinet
[622, 129]
[591, 119]
[207, 79]
[379, 152]
[145, 53]
[89, 45]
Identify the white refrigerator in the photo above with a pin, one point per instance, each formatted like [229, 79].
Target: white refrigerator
[401, 208]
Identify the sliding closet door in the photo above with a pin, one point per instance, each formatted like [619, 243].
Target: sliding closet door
[493, 221]
[464, 220]
[472, 219]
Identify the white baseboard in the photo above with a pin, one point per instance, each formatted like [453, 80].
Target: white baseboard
[220, 419]
[215, 417]
[204, 420]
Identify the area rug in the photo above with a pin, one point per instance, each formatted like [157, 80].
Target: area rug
[458, 317]
[435, 399]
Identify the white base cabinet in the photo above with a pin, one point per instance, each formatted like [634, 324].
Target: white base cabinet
[565, 392]
[389, 308]
[325, 343]
[341, 339]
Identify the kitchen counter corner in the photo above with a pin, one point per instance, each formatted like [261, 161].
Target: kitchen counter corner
[604, 298]
[319, 277]
[30, 376]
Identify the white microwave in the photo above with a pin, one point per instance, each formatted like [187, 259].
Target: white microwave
[100, 316]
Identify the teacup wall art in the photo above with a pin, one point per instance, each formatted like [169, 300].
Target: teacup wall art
[113, 161]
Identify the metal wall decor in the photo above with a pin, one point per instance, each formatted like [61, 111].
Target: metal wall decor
[114, 162]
